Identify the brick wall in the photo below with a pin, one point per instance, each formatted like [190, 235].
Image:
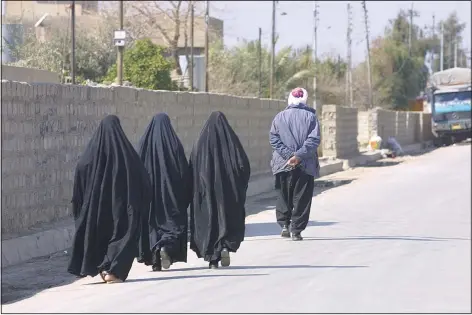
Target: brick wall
[46, 126]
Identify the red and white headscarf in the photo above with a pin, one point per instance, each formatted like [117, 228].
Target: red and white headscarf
[298, 96]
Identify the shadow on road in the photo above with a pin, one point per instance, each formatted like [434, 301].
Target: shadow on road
[183, 277]
[381, 163]
[385, 238]
[322, 185]
[25, 280]
[273, 267]
[272, 228]
[373, 238]
[268, 201]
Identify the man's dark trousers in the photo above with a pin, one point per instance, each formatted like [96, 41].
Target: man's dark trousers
[295, 192]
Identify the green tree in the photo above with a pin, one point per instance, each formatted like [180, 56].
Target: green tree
[145, 67]
[236, 71]
[398, 71]
[453, 29]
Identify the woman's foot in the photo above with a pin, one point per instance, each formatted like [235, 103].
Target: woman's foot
[213, 265]
[225, 259]
[103, 275]
[165, 258]
[109, 278]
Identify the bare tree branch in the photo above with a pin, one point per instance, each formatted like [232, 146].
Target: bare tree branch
[156, 5]
[186, 24]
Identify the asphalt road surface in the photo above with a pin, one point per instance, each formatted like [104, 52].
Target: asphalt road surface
[396, 239]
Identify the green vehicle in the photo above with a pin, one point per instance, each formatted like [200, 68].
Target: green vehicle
[451, 105]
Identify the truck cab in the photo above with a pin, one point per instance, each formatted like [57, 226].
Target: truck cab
[451, 112]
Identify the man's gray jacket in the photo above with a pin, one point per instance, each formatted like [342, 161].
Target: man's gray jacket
[295, 131]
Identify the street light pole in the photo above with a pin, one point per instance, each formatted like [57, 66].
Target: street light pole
[207, 20]
[272, 53]
[315, 52]
[260, 61]
[72, 21]
[369, 73]
[119, 59]
[192, 17]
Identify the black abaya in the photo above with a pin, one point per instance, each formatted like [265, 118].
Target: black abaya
[220, 175]
[111, 195]
[164, 158]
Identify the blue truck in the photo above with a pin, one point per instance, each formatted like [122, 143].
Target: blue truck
[450, 99]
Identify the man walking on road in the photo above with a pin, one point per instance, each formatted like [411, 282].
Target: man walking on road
[295, 137]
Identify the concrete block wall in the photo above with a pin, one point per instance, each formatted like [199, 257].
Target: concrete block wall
[23, 74]
[406, 127]
[339, 131]
[45, 127]
[363, 129]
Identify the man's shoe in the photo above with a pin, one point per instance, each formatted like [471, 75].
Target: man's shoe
[165, 259]
[297, 237]
[285, 232]
[225, 260]
[213, 265]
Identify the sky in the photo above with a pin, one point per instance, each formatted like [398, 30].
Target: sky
[242, 20]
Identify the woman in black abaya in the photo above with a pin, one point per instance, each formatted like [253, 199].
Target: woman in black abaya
[220, 175]
[164, 158]
[111, 196]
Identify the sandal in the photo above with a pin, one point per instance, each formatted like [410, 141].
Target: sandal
[109, 278]
[103, 274]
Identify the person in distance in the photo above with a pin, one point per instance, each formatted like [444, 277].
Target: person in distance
[295, 137]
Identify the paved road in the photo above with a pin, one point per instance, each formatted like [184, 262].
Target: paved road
[397, 239]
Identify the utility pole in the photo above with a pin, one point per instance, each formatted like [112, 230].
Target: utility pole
[410, 30]
[369, 74]
[349, 98]
[455, 52]
[119, 59]
[192, 23]
[441, 55]
[259, 52]
[207, 46]
[433, 31]
[72, 21]
[315, 53]
[272, 53]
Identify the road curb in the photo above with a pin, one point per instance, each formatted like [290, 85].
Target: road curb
[48, 242]
[21, 249]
